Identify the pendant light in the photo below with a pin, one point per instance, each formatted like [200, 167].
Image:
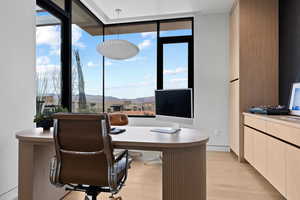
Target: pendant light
[118, 49]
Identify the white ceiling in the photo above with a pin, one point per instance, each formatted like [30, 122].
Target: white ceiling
[141, 9]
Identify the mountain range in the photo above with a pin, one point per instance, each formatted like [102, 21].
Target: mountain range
[98, 98]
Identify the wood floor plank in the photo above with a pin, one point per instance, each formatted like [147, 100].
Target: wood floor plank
[227, 179]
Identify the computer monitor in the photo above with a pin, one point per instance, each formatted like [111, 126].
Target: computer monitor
[295, 100]
[175, 105]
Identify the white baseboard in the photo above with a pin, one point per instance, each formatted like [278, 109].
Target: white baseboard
[10, 195]
[218, 148]
[149, 155]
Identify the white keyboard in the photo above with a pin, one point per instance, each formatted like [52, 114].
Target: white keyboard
[165, 130]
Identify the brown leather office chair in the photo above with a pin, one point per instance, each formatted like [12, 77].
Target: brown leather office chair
[84, 158]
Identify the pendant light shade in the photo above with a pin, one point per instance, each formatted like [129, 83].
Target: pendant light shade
[118, 49]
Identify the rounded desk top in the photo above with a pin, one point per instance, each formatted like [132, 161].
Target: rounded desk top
[134, 138]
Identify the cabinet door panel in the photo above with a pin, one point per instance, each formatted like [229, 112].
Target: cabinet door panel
[293, 173]
[231, 117]
[248, 144]
[260, 152]
[234, 117]
[276, 164]
[237, 116]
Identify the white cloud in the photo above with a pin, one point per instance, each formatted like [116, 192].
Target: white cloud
[91, 64]
[76, 36]
[144, 44]
[178, 70]
[51, 36]
[43, 60]
[178, 80]
[48, 35]
[148, 34]
[45, 69]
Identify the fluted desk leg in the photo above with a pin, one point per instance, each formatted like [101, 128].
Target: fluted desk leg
[26, 161]
[184, 174]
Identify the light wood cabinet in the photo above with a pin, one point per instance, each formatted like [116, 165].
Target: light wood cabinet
[271, 145]
[249, 144]
[253, 62]
[276, 164]
[235, 116]
[293, 173]
[268, 156]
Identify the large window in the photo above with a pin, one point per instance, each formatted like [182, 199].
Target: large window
[87, 64]
[71, 73]
[175, 65]
[165, 61]
[48, 62]
[130, 84]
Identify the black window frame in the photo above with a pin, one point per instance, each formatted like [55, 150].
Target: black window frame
[65, 15]
[160, 56]
[165, 39]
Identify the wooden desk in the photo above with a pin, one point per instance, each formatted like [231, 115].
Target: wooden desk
[184, 161]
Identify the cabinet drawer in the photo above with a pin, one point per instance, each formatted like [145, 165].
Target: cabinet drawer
[260, 152]
[286, 133]
[256, 123]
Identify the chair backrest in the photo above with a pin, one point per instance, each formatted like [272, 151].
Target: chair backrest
[83, 148]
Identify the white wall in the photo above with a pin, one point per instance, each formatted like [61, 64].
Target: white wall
[17, 65]
[211, 35]
[212, 76]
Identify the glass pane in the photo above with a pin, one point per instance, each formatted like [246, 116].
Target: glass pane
[176, 28]
[87, 68]
[130, 84]
[48, 62]
[175, 65]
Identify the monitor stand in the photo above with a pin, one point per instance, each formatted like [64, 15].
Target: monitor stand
[168, 130]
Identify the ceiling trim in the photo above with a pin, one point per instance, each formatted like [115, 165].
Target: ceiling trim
[90, 4]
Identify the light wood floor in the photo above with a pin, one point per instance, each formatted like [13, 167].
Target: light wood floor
[227, 179]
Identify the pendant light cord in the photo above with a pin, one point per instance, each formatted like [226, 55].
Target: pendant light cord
[118, 11]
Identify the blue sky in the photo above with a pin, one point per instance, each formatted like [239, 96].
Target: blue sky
[132, 78]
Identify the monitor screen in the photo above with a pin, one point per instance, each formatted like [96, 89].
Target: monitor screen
[295, 99]
[174, 103]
